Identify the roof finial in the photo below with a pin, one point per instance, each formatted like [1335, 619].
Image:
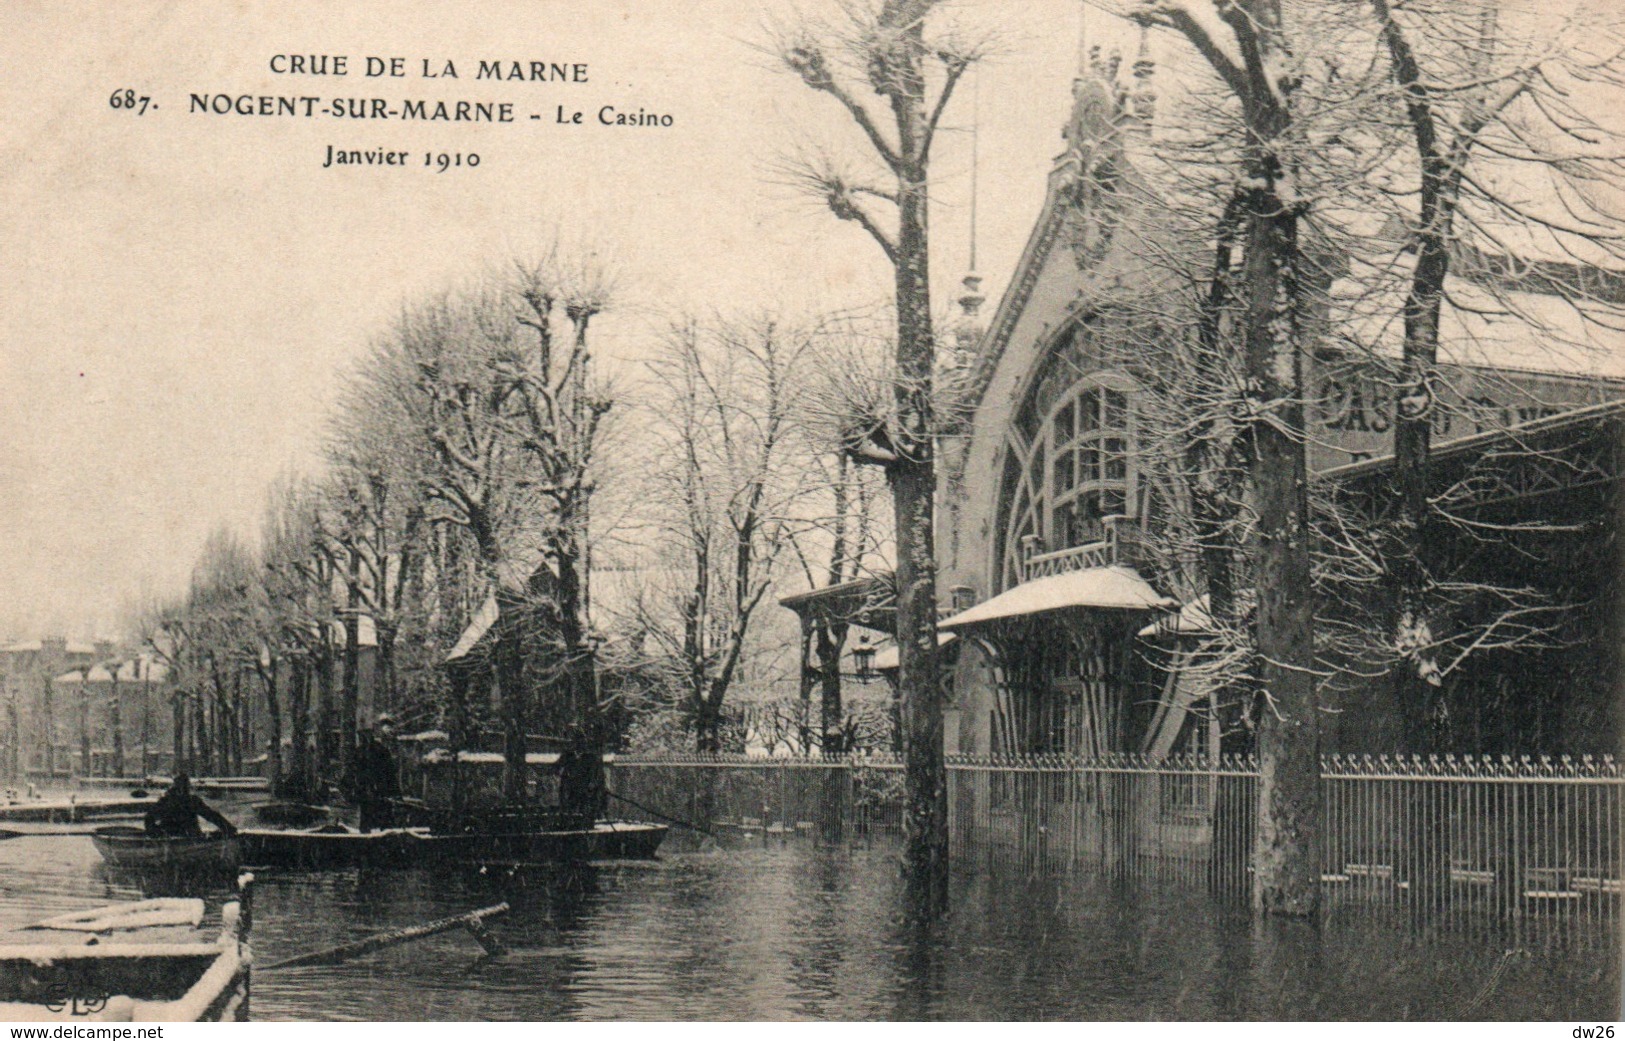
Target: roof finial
[1083, 37]
[975, 140]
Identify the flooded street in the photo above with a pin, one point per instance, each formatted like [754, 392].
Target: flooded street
[794, 931]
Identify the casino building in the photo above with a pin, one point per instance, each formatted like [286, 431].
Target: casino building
[1066, 634]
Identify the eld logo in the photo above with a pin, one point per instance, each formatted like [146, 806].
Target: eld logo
[59, 997]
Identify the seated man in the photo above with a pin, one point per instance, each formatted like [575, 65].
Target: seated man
[176, 813]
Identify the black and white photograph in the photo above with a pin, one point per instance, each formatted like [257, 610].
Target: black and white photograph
[851, 511]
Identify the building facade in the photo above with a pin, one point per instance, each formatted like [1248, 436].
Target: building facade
[1075, 637]
[31, 740]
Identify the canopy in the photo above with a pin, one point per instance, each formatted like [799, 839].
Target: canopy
[1116, 588]
[888, 657]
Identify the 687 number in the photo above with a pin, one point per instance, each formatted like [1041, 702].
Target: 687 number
[129, 99]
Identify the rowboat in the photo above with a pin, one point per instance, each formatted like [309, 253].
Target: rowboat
[287, 814]
[150, 960]
[338, 846]
[329, 846]
[125, 846]
[604, 840]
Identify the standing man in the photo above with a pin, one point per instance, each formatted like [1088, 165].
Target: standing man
[582, 790]
[375, 781]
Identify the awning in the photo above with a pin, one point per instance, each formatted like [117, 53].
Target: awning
[889, 658]
[478, 626]
[1115, 588]
[1194, 620]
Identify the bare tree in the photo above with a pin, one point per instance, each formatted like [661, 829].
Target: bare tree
[885, 45]
[500, 431]
[726, 497]
[1247, 47]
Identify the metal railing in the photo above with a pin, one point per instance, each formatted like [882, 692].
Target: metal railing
[1526, 837]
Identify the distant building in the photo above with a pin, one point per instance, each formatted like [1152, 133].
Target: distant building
[118, 716]
[31, 731]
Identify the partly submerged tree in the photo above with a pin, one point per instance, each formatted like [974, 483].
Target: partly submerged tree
[900, 51]
[487, 398]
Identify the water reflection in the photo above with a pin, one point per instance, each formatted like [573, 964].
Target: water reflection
[791, 930]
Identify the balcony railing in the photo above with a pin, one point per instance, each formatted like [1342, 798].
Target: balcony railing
[1121, 545]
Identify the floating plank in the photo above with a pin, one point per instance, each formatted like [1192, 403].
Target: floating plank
[473, 922]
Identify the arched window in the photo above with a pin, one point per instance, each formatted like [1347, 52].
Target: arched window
[1090, 437]
[1069, 462]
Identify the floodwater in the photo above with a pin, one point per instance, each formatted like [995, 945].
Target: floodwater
[786, 929]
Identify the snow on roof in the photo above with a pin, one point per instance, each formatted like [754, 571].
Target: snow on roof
[134, 670]
[440, 755]
[1503, 329]
[1106, 588]
[1194, 619]
[888, 656]
[478, 626]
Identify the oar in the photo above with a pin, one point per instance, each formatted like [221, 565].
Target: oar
[474, 922]
[690, 825]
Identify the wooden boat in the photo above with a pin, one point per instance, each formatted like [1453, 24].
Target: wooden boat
[288, 814]
[126, 846]
[329, 846]
[73, 811]
[337, 846]
[145, 961]
[605, 840]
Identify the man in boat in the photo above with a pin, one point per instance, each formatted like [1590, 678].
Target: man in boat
[582, 791]
[177, 812]
[375, 781]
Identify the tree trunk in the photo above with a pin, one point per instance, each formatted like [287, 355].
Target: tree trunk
[510, 666]
[202, 747]
[1287, 843]
[15, 728]
[458, 737]
[298, 783]
[178, 738]
[831, 637]
[116, 720]
[48, 732]
[84, 729]
[241, 723]
[273, 716]
[804, 682]
[325, 714]
[146, 723]
[913, 485]
[925, 821]
[707, 725]
[352, 661]
[383, 694]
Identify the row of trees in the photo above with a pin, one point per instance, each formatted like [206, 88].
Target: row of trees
[476, 476]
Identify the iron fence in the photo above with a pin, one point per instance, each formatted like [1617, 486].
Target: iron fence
[1525, 837]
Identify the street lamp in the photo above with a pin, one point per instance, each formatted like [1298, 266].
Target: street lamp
[863, 656]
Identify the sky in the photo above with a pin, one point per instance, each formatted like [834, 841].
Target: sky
[183, 291]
